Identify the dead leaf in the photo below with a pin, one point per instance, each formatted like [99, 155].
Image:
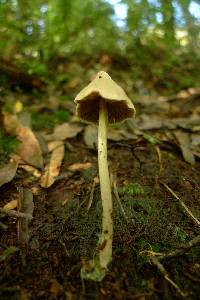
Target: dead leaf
[24, 118]
[29, 150]
[8, 172]
[53, 168]
[146, 122]
[120, 135]
[184, 142]
[195, 144]
[53, 145]
[64, 131]
[79, 166]
[56, 287]
[31, 170]
[90, 136]
[25, 206]
[11, 205]
[11, 123]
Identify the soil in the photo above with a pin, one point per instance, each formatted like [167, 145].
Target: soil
[64, 231]
[64, 234]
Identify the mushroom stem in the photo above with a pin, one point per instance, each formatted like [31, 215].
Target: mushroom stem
[105, 248]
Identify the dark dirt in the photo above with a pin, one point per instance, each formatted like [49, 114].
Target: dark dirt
[63, 234]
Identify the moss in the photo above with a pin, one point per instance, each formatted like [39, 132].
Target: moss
[133, 189]
[49, 120]
[88, 174]
[61, 115]
[8, 145]
[42, 121]
[179, 234]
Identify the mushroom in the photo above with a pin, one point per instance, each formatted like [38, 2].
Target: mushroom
[103, 101]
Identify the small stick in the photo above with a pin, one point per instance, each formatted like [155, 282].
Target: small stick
[15, 214]
[186, 209]
[159, 159]
[181, 251]
[92, 193]
[163, 271]
[115, 191]
[174, 253]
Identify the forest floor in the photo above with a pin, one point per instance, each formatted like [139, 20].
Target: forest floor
[154, 162]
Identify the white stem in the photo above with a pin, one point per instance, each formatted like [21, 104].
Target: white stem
[105, 248]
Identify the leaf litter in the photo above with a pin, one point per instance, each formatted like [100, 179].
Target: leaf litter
[164, 129]
[52, 169]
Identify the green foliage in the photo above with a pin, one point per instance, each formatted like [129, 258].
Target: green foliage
[44, 121]
[93, 271]
[8, 252]
[8, 145]
[150, 138]
[88, 175]
[134, 189]
[179, 234]
[61, 116]
[136, 203]
[49, 120]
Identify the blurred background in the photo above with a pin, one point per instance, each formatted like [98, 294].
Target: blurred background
[152, 44]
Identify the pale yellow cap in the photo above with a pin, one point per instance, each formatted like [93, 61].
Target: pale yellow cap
[119, 106]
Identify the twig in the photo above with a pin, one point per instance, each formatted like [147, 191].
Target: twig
[177, 252]
[185, 248]
[141, 296]
[163, 271]
[115, 191]
[186, 209]
[155, 259]
[91, 194]
[159, 159]
[15, 214]
[191, 277]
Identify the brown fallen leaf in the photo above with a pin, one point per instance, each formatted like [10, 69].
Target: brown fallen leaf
[79, 166]
[11, 123]
[114, 134]
[195, 143]
[26, 206]
[64, 131]
[29, 150]
[31, 170]
[184, 142]
[53, 145]
[52, 169]
[146, 122]
[24, 118]
[90, 136]
[117, 135]
[56, 288]
[11, 205]
[8, 172]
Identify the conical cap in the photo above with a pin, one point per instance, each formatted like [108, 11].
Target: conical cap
[119, 106]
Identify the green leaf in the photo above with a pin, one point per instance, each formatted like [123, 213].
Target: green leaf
[7, 252]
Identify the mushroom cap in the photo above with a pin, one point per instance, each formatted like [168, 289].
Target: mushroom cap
[119, 106]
